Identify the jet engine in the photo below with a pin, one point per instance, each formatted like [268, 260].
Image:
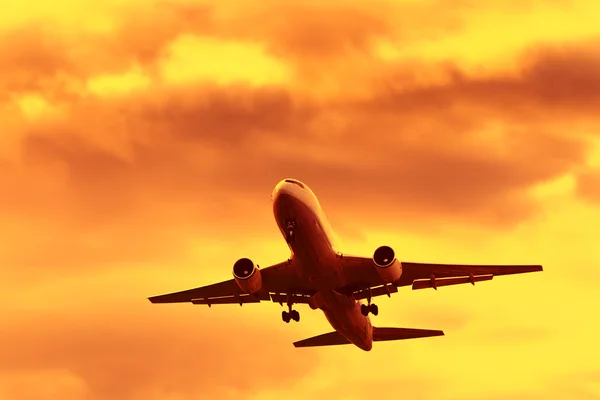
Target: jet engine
[388, 267]
[247, 276]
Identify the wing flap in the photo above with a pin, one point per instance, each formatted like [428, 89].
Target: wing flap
[385, 334]
[185, 296]
[376, 291]
[282, 298]
[243, 299]
[278, 278]
[327, 339]
[435, 283]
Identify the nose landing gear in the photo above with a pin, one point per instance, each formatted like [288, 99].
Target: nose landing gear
[290, 230]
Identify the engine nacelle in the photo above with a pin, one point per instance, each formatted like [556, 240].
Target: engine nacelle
[247, 276]
[386, 264]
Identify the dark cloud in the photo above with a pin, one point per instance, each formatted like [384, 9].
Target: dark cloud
[552, 82]
[588, 185]
[37, 57]
[260, 137]
[143, 32]
[201, 156]
[26, 59]
[320, 30]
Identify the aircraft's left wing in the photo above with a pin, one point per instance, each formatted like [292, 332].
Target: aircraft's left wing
[412, 273]
[278, 280]
[362, 276]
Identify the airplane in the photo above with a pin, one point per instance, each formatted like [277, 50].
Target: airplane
[318, 274]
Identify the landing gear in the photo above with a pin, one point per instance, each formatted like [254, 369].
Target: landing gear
[286, 316]
[369, 309]
[374, 309]
[365, 309]
[290, 230]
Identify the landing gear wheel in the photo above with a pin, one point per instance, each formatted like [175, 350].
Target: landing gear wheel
[373, 309]
[295, 315]
[285, 316]
[364, 309]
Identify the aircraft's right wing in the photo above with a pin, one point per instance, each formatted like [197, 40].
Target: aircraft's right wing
[278, 282]
[222, 290]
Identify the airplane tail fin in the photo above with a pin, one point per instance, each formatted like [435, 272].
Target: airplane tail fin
[379, 335]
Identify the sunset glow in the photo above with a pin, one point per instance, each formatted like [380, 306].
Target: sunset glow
[140, 142]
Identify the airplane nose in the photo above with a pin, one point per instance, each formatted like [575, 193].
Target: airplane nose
[277, 190]
[282, 201]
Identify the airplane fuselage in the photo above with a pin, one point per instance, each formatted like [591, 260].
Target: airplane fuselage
[316, 258]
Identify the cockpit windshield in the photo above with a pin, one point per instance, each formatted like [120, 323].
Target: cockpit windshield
[295, 182]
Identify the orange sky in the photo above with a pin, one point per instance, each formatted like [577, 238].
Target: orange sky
[140, 142]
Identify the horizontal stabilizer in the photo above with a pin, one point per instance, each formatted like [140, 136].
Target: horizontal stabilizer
[379, 335]
[385, 334]
[435, 283]
[327, 339]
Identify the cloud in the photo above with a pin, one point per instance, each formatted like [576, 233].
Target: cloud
[573, 386]
[143, 139]
[561, 80]
[588, 185]
[459, 150]
[144, 353]
[480, 170]
[449, 319]
[515, 334]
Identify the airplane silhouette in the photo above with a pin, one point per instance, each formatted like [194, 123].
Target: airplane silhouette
[319, 275]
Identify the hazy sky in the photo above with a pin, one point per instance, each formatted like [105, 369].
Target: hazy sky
[140, 142]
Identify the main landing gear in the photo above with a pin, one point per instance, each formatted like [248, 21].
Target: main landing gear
[369, 309]
[365, 309]
[286, 316]
[290, 230]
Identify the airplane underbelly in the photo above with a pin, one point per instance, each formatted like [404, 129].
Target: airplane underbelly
[347, 320]
[320, 263]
